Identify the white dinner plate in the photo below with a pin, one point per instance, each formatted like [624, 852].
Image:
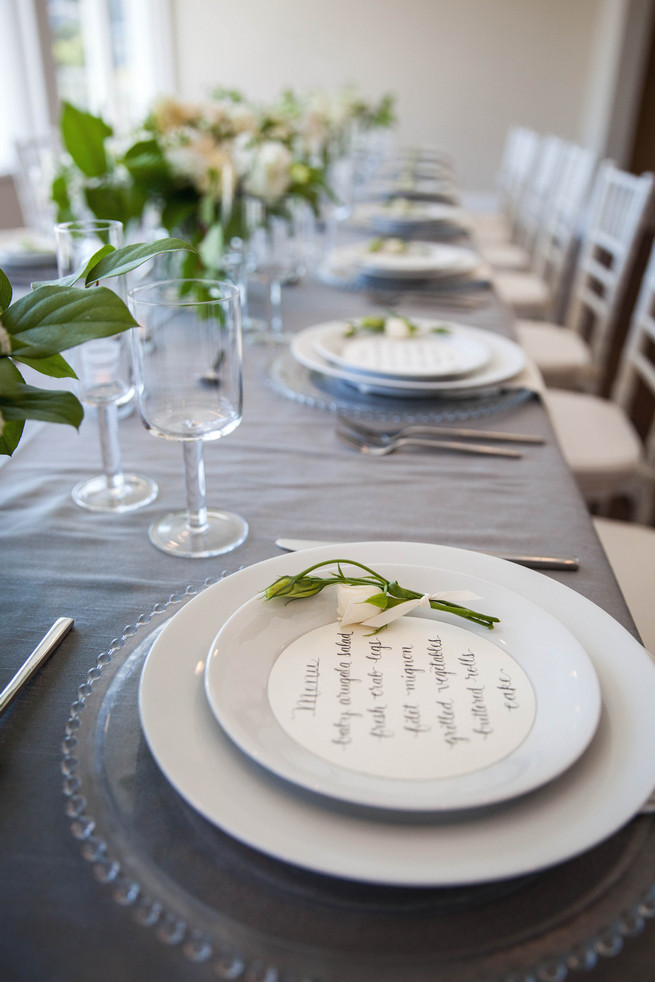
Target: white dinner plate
[24, 248]
[560, 688]
[593, 799]
[388, 216]
[506, 360]
[424, 355]
[420, 260]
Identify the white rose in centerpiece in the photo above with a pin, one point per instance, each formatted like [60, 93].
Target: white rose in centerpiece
[269, 176]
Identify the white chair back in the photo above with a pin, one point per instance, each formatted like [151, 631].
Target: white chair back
[38, 159]
[539, 189]
[634, 389]
[519, 156]
[558, 235]
[617, 212]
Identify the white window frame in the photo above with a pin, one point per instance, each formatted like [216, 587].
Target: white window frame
[32, 109]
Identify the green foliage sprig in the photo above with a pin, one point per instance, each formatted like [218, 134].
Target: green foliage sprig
[55, 317]
[389, 594]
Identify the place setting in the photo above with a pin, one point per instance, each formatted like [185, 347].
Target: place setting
[419, 367]
[405, 217]
[419, 717]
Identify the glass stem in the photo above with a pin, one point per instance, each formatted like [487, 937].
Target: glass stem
[110, 448]
[276, 306]
[194, 474]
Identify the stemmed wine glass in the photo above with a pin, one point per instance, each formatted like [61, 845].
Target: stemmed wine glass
[278, 246]
[188, 372]
[104, 377]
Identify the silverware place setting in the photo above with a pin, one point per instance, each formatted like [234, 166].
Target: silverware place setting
[376, 447]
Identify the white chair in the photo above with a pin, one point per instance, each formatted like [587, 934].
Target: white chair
[609, 444]
[573, 356]
[38, 159]
[532, 209]
[630, 549]
[519, 155]
[542, 292]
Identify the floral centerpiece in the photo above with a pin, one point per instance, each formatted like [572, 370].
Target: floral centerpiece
[192, 165]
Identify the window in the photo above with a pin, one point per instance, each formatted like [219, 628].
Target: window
[112, 57]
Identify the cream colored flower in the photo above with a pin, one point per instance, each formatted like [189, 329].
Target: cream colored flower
[169, 114]
[269, 175]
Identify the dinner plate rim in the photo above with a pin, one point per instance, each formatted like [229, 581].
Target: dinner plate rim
[302, 349]
[591, 801]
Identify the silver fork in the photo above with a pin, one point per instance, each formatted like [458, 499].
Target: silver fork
[389, 446]
[373, 434]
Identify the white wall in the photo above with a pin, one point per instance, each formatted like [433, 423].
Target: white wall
[463, 70]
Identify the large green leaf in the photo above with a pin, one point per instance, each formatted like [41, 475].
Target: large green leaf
[10, 433]
[148, 166]
[49, 405]
[55, 366]
[77, 274]
[54, 318]
[5, 291]
[115, 201]
[129, 257]
[84, 137]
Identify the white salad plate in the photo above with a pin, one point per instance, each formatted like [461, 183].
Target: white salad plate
[450, 351]
[419, 260]
[562, 680]
[506, 360]
[590, 801]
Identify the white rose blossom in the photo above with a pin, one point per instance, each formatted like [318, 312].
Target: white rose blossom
[269, 177]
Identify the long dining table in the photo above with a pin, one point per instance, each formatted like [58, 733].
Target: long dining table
[107, 872]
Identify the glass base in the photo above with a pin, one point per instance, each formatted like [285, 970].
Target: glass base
[223, 532]
[266, 335]
[95, 494]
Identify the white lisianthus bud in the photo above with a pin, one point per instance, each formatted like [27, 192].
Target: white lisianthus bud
[269, 176]
[396, 327]
[352, 606]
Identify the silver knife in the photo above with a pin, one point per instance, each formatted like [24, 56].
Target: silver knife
[44, 648]
[533, 562]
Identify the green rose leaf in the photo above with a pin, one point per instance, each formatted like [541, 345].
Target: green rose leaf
[5, 291]
[129, 257]
[55, 318]
[84, 137]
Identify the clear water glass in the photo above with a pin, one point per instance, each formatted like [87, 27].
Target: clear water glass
[104, 371]
[189, 383]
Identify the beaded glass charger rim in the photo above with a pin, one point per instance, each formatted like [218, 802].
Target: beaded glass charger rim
[506, 359]
[294, 381]
[437, 349]
[417, 260]
[402, 726]
[595, 797]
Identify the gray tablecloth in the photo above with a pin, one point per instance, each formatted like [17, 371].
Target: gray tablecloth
[286, 473]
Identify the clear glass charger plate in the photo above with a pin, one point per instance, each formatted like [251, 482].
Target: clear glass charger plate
[237, 914]
[295, 381]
